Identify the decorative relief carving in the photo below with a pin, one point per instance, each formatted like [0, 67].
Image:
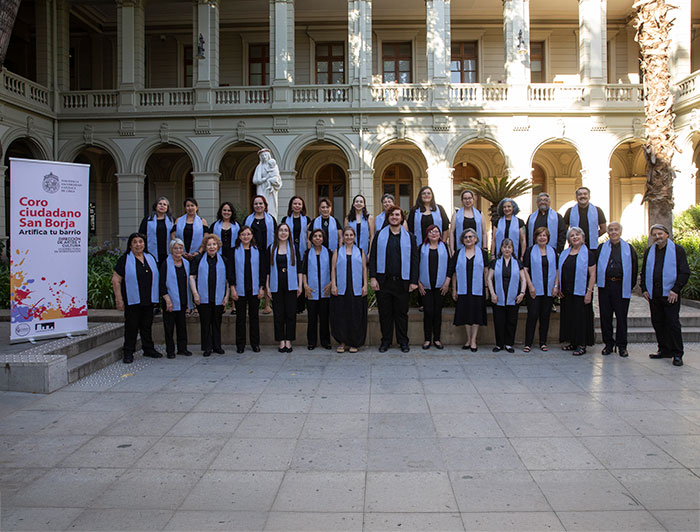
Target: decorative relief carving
[280, 124]
[400, 129]
[320, 130]
[127, 128]
[164, 133]
[202, 126]
[240, 127]
[87, 134]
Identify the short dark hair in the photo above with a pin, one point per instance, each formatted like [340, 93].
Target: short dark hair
[191, 200]
[539, 231]
[131, 238]
[395, 208]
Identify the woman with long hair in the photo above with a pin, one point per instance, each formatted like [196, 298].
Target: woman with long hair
[157, 227]
[264, 226]
[248, 287]
[362, 222]
[177, 298]
[316, 271]
[191, 228]
[298, 222]
[541, 267]
[508, 226]
[425, 213]
[332, 232]
[226, 227]
[433, 284]
[468, 216]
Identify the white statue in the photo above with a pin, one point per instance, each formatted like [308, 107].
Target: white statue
[268, 180]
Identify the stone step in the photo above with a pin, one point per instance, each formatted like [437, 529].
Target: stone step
[645, 321]
[94, 338]
[88, 362]
[646, 334]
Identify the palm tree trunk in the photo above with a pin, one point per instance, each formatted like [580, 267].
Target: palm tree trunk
[8, 14]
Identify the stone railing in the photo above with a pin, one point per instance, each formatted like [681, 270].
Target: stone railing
[22, 89]
[179, 98]
[89, 100]
[477, 93]
[238, 96]
[556, 93]
[393, 94]
[326, 94]
[688, 87]
[624, 94]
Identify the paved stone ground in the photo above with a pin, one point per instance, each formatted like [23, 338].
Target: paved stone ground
[449, 440]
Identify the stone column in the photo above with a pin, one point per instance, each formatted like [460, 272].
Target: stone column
[593, 45]
[359, 44]
[440, 180]
[521, 168]
[130, 200]
[516, 33]
[4, 230]
[206, 190]
[438, 48]
[289, 187]
[130, 51]
[44, 49]
[62, 57]
[680, 36]
[281, 49]
[206, 51]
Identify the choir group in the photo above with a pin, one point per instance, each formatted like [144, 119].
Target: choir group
[191, 267]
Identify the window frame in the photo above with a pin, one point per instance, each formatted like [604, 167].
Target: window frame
[396, 58]
[462, 57]
[265, 62]
[329, 59]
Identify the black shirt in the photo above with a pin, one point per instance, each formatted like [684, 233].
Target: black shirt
[311, 255]
[248, 272]
[568, 272]
[682, 270]
[452, 267]
[211, 263]
[505, 272]
[583, 222]
[541, 221]
[144, 277]
[325, 222]
[614, 266]
[396, 256]
[433, 258]
[259, 229]
[161, 237]
[182, 281]
[426, 221]
[226, 243]
[187, 234]
[393, 255]
[527, 263]
[282, 281]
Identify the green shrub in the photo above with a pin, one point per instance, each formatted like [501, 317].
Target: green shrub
[691, 244]
[640, 246]
[101, 264]
[687, 222]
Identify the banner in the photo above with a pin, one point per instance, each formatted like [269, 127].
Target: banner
[48, 248]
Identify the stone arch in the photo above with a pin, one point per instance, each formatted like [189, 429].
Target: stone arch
[73, 148]
[627, 184]
[307, 168]
[561, 161]
[557, 140]
[300, 143]
[146, 148]
[458, 143]
[408, 154]
[236, 170]
[425, 145]
[218, 150]
[40, 149]
[483, 154]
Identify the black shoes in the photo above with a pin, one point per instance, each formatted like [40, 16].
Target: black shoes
[579, 351]
[170, 355]
[678, 361]
[510, 349]
[256, 348]
[327, 346]
[438, 344]
[659, 354]
[153, 354]
[128, 358]
[426, 345]
[310, 347]
[622, 351]
[186, 352]
[405, 348]
[240, 349]
[219, 351]
[281, 349]
[383, 348]
[206, 354]
[607, 350]
[497, 349]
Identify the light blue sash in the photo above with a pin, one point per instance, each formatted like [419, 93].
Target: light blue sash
[669, 272]
[152, 234]
[459, 225]
[292, 279]
[603, 260]
[269, 227]
[239, 264]
[332, 231]
[443, 257]
[536, 267]
[552, 225]
[363, 236]
[289, 220]
[574, 221]
[581, 275]
[513, 285]
[218, 226]
[133, 295]
[477, 273]
[513, 234]
[383, 238]
[418, 216]
[197, 232]
[171, 283]
[203, 279]
[312, 272]
[379, 222]
[341, 270]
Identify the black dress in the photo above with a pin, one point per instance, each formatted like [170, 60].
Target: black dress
[576, 316]
[349, 314]
[470, 309]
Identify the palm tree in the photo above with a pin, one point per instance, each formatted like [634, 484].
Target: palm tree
[494, 189]
[653, 25]
[8, 14]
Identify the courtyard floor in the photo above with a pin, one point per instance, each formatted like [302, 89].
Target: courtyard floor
[429, 440]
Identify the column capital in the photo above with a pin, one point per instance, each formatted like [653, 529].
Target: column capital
[129, 3]
[125, 177]
[206, 175]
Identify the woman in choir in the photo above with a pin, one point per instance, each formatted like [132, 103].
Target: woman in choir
[316, 271]
[388, 201]
[226, 227]
[468, 270]
[349, 289]
[284, 284]
[507, 283]
[575, 281]
[467, 217]
[426, 213]
[248, 287]
[210, 274]
[136, 290]
[433, 284]
[177, 298]
[359, 219]
[332, 232]
[157, 228]
[190, 228]
[508, 226]
[541, 267]
[298, 222]
[263, 225]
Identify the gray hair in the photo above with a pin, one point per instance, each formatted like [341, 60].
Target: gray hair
[574, 229]
[390, 196]
[507, 242]
[175, 242]
[466, 232]
[615, 223]
[659, 226]
[543, 195]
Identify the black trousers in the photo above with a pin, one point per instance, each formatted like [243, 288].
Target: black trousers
[171, 321]
[432, 314]
[667, 324]
[319, 319]
[611, 302]
[138, 319]
[538, 309]
[252, 303]
[505, 323]
[284, 308]
[392, 300]
[210, 325]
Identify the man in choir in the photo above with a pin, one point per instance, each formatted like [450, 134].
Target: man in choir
[393, 275]
[549, 218]
[665, 272]
[586, 216]
[617, 276]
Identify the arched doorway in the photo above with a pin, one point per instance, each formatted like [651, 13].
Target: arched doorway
[321, 172]
[627, 184]
[236, 182]
[331, 184]
[103, 190]
[169, 174]
[560, 173]
[539, 183]
[398, 181]
[400, 168]
[22, 148]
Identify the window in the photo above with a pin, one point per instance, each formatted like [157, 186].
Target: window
[464, 66]
[398, 180]
[537, 73]
[330, 183]
[259, 64]
[187, 66]
[464, 172]
[396, 60]
[330, 63]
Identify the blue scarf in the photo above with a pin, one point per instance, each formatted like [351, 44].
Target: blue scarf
[379, 221]
[152, 234]
[552, 225]
[443, 257]
[513, 234]
[574, 221]
[217, 227]
[332, 230]
[603, 260]
[133, 295]
[312, 277]
[269, 227]
[536, 267]
[239, 264]
[197, 232]
[459, 225]
[513, 285]
[363, 236]
[303, 223]
[171, 284]
[341, 270]
[382, 240]
[292, 279]
[418, 216]
[203, 279]
[581, 275]
[477, 273]
[669, 271]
